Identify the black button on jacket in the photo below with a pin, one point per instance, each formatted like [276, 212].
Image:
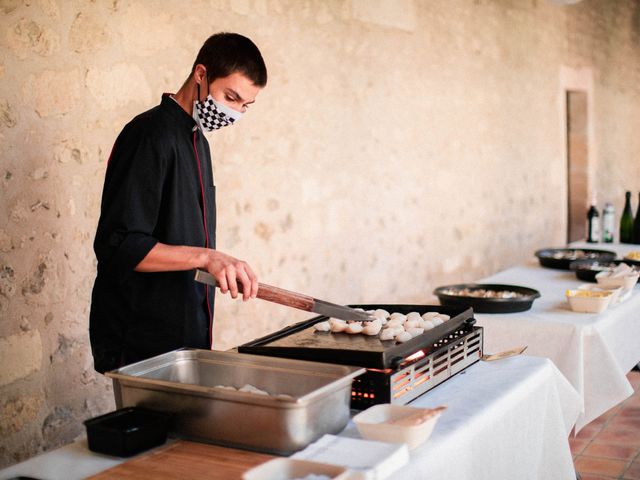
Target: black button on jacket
[152, 193]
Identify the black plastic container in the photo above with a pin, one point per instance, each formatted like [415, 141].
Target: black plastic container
[488, 305]
[127, 431]
[561, 258]
[586, 270]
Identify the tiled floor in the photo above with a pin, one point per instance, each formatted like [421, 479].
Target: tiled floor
[609, 447]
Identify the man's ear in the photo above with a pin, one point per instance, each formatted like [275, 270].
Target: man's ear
[200, 74]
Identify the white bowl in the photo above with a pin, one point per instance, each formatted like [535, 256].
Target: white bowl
[289, 468]
[588, 302]
[627, 282]
[379, 423]
[635, 256]
[615, 291]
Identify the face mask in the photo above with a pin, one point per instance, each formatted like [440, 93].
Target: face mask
[212, 115]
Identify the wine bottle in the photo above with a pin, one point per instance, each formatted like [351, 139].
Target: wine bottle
[593, 223]
[636, 224]
[608, 223]
[626, 221]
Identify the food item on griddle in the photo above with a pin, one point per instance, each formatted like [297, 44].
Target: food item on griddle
[387, 334]
[322, 326]
[428, 324]
[415, 331]
[633, 256]
[354, 327]
[381, 315]
[395, 326]
[403, 337]
[336, 325]
[372, 328]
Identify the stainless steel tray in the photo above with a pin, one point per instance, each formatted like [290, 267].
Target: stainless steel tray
[185, 383]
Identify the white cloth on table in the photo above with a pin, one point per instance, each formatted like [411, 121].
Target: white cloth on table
[508, 419]
[594, 351]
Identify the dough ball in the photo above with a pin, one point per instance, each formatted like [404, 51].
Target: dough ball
[403, 337]
[387, 334]
[414, 332]
[322, 327]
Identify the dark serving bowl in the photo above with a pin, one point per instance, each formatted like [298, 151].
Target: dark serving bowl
[488, 305]
[127, 431]
[586, 270]
[561, 258]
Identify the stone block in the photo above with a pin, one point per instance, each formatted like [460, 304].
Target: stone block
[7, 281]
[49, 7]
[7, 117]
[70, 149]
[20, 356]
[5, 242]
[87, 34]
[60, 423]
[27, 37]
[9, 6]
[53, 92]
[399, 14]
[116, 86]
[18, 412]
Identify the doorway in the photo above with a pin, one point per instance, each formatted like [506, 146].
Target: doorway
[577, 164]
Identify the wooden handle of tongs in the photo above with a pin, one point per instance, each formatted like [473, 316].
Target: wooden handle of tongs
[267, 292]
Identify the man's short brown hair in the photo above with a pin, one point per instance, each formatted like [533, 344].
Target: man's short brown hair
[226, 53]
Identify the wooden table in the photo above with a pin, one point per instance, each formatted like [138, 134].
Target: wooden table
[182, 459]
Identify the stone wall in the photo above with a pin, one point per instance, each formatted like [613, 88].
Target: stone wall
[399, 145]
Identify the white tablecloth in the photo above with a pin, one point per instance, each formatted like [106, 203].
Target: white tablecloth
[594, 351]
[508, 419]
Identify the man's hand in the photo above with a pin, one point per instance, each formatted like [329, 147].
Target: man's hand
[229, 271]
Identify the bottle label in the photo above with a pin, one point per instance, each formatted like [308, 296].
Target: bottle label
[594, 231]
[608, 227]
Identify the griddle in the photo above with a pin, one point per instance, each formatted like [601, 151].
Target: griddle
[302, 341]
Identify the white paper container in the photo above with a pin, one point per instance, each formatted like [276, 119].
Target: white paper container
[588, 304]
[290, 468]
[627, 282]
[372, 425]
[615, 291]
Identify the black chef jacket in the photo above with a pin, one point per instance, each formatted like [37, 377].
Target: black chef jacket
[157, 176]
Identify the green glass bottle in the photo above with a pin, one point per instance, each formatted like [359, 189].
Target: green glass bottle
[626, 221]
[636, 224]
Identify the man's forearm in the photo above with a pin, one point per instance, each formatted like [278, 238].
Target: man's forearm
[227, 270]
[171, 258]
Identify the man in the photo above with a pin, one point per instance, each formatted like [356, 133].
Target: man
[157, 220]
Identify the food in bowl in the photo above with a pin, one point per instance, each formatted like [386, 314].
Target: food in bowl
[635, 256]
[482, 293]
[615, 291]
[588, 301]
[622, 276]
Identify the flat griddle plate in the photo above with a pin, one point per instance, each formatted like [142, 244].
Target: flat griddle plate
[302, 341]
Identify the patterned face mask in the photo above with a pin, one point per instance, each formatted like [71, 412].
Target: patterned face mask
[211, 115]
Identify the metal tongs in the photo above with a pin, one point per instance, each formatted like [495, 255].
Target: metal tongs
[295, 300]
